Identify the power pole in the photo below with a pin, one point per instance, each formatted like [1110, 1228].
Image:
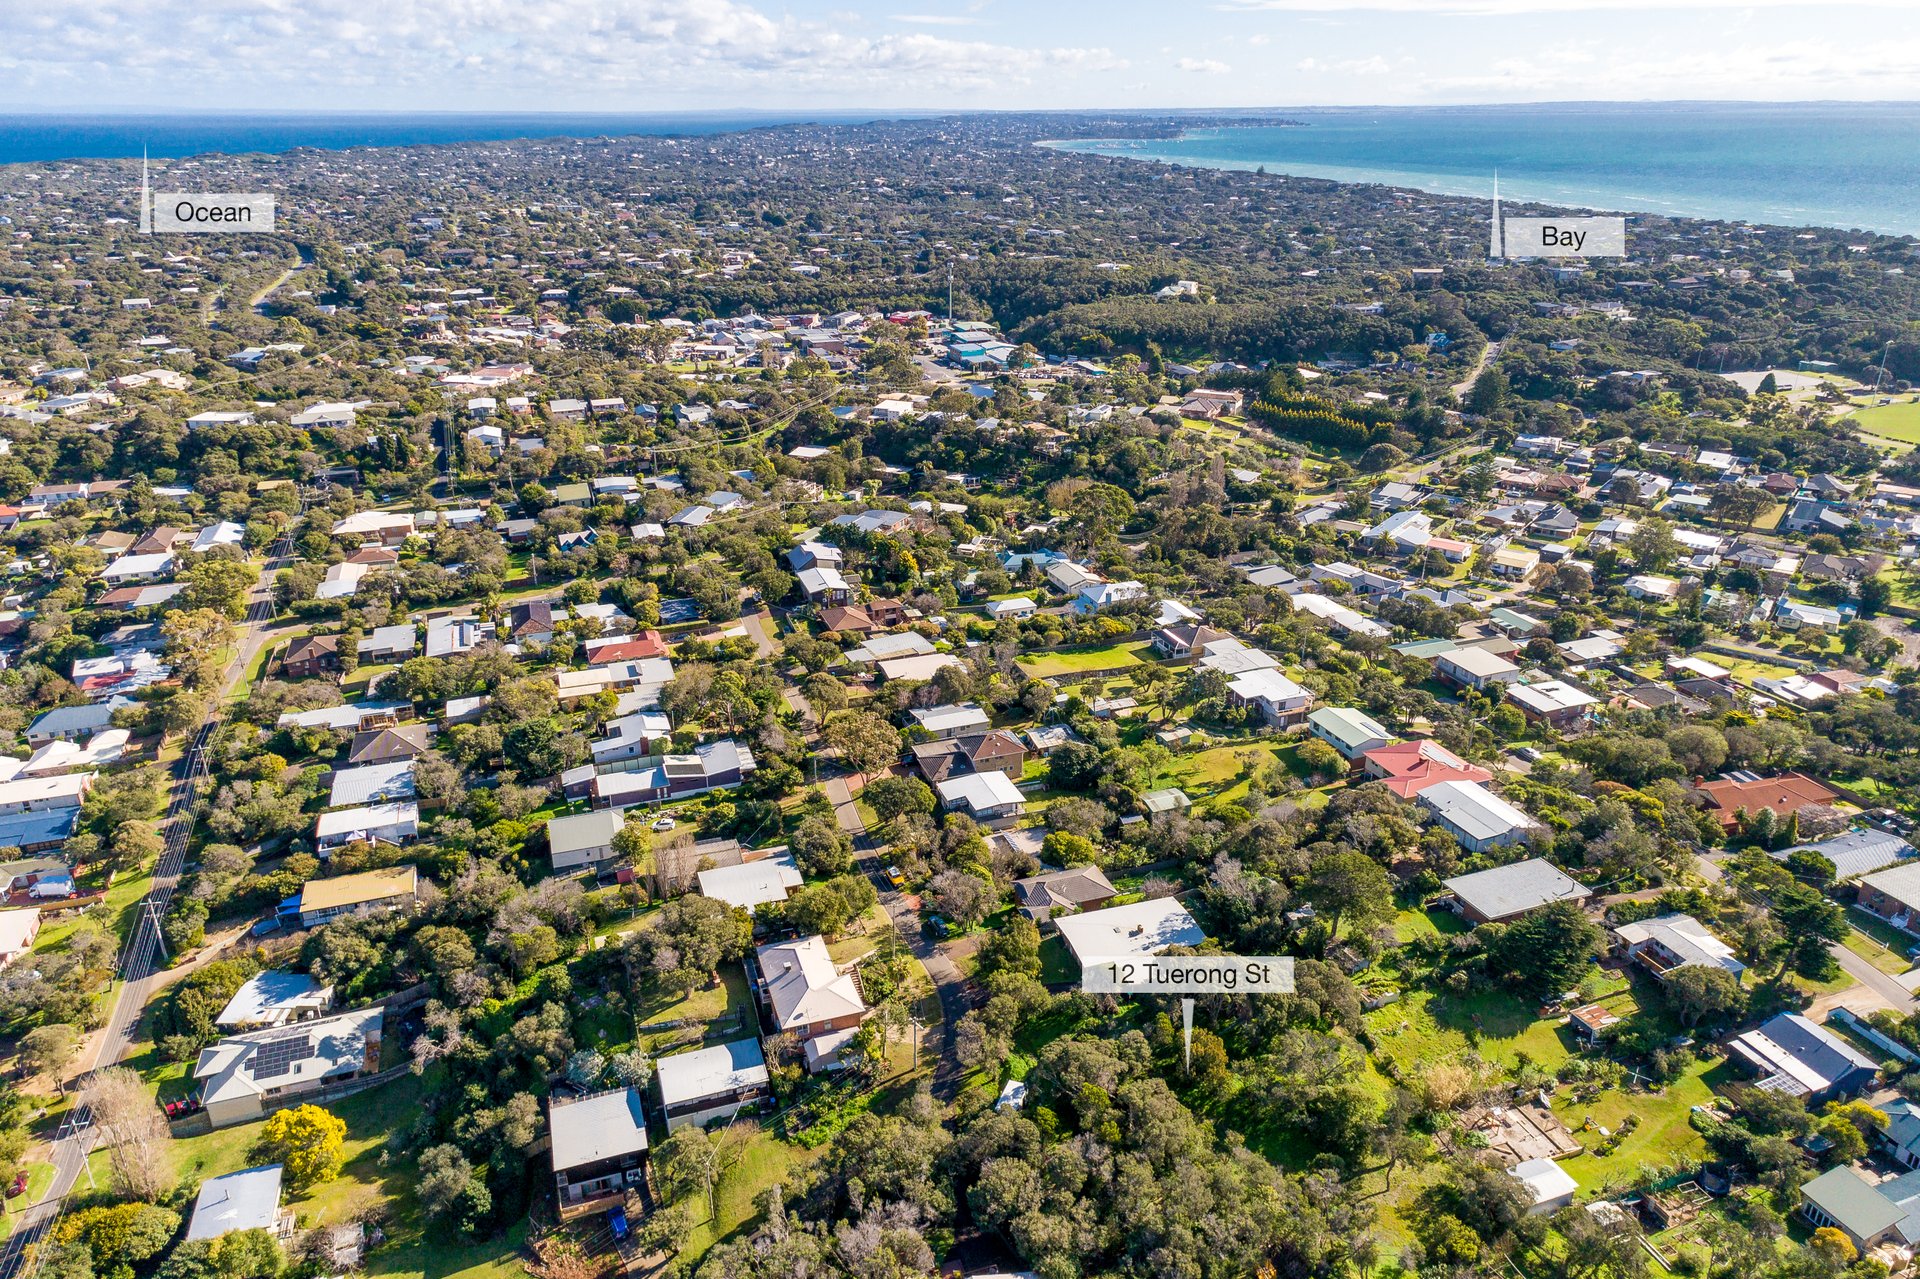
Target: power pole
[949, 293]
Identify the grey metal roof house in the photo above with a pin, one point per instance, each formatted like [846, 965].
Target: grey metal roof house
[1856, 853]
[1794, 1056]
[1507, 891]
[244, 1200]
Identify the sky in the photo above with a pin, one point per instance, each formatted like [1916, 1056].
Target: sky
[708, 55]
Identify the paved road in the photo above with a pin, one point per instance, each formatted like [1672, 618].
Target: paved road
[140, 959]
[949, 983]
[1488, 353]
[1897, 997]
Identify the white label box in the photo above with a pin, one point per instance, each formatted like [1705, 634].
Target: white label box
[1188, 975]
[1565, 237]
[211, 213]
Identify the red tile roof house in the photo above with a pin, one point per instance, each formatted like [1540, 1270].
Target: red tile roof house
[1408, 768]
[1781, 795]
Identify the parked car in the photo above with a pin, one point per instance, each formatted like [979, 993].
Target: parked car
[895, 878]
[664, 824]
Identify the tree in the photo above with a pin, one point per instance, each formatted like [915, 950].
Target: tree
[447, 1186]
[1320, 759]
[961, 897]
[690, 938]
[689, 1162]
[633, 843]
[1705, 992]
[822, 848]
[119, 1235]
[49, 1050]
[1829, 1244]
[866, 742]
[309, 1142]
[1351, 887]
[132, 1130]
[1547, 951]
[220, 585]
[895, 797]
[1809, 923]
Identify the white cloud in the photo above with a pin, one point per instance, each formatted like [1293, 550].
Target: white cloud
[1205, 66]
[1498, 8]
[607, 55]
[936, 19]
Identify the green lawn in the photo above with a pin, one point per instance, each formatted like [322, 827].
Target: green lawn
[763, 1161]
[1057, 963]
[373, 1118]
[1097, 657]
[1877, 942]
[1899, 421]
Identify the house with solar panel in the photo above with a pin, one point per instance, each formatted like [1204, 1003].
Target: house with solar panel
[244, 1077]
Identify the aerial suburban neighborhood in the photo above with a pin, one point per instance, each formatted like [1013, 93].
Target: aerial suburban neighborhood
[591, 712]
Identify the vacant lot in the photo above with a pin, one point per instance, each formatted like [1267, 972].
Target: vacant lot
[1072, 661]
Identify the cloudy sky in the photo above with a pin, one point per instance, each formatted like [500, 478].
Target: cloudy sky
[677, 55]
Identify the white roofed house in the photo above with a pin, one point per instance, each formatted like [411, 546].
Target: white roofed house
[274, 998]
[1507, 892]
[385, 823]
[990, 798]
[941, 722]
[823, 584]
[139, 568]
[1554, 702]
[1479, 819]
[809, 997]
[1098, 595]
[1474, 668]
[761, 882]
[1671, 942]
[1128, 932]
[706, 1084]
[1278, 700]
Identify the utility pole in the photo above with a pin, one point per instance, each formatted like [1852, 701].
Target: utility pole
[949, 293]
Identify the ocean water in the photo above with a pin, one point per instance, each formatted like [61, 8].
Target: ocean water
[1854, 166]
[32, 137]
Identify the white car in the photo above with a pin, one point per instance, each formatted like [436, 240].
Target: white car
[665, 823]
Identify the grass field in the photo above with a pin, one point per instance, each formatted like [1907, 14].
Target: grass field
[1098, 657]
[1899, 421]
[764, 1160]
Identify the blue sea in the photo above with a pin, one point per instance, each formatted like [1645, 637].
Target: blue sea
[1855, 166]
[33, 137]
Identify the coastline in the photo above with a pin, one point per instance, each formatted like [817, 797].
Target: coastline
[1515, 186]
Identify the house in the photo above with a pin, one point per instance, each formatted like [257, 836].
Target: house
[989, 798]
[386, 823]
[1868, 1213]
[994, 751]
[1856, 853]
[245, 1076]
[1012, 610]
[915, 667]
[1553, 702]
[1075, 889]
[706, 1084]
[633, 736]
[1351, 732]
[245, 1200]
[139, 568]
[1127, 932]
[823, 585]
[1652, 589]
[452, 636]
[18, 928]
[810, 998]
[1548, 1186]
[45, 794]
[1098, 595]
[1507, 892]
[599, 1148]
[389, 744]
[387, 528]
[950, 721]
[531, 622]
[1894, 895]
[583, 839]
[1796, 1057]
[1675, 941]
[70, 723]
[1278, 700]
[274, 998]
[372, 784]
[1792, 615]
[711, 766]
[762, 882]
[322, 900]
[1514, 562]
[1474, 668]
[1782, 795]
[1190, 639]
[311, 655]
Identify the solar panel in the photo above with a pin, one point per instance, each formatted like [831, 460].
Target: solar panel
[275, 1057]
